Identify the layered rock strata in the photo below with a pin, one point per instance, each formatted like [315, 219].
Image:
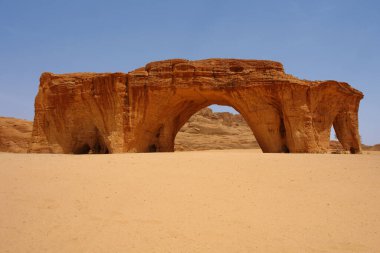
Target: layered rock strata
[208, 130]
[142, 111]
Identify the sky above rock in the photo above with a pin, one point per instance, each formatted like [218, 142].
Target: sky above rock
[315, 40]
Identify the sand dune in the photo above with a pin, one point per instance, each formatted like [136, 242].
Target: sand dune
[210, 201]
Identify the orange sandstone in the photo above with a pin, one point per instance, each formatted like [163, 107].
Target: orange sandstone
[142, 111]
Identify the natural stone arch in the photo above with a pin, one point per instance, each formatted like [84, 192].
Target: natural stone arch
[143, 110]
[161, 124]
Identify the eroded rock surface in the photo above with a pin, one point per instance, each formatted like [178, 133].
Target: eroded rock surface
[80, 113]
[208, 130]
[142, 111]
[15, 135]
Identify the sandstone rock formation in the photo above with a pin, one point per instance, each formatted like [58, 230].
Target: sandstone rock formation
[142, 111]
[15, 135]
[205, 130]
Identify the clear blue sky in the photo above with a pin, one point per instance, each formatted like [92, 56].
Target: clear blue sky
[316, 40]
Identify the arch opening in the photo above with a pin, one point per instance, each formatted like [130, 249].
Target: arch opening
[215, 127]
[161, 125]
[335, 147]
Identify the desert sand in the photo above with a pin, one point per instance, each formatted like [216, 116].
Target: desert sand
[204, 201]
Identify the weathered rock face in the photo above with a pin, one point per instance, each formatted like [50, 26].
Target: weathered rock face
[142, 111]
[80, 113]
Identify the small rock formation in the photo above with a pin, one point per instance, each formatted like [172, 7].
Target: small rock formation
[142, 111]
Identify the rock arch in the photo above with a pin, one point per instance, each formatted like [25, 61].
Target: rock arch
[142, 111]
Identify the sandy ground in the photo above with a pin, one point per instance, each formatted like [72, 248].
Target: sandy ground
[226, 201]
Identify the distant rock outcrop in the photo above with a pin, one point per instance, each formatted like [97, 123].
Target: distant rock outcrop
[142, 111]
[207, 130]
[15, 135]
[375, 147]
